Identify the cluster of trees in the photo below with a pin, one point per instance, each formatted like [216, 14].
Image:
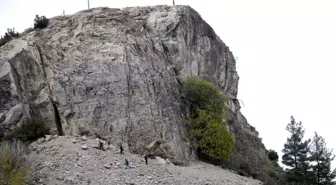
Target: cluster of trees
[308, 162]
[205, 127]
[39, 23]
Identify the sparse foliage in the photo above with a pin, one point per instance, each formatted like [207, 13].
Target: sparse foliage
[29, 131]
[9, 35]
[40, 22]
[14, 167]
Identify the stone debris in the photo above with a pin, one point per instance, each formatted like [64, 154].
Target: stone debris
[59, 162]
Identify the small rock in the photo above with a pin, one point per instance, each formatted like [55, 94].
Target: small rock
[55, 136]
[48, 138]
[84, 138]
[168, 162]
[84, 147]
[160, 160]
[107, 166]
[74, 141]
[41, 140]
[60, 178]
[149, 177]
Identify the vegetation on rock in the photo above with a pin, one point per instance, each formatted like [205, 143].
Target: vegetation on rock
[273, 155]
[14, 167]
[40, 22]
[205, 126]
[9, 35]
[30, 130]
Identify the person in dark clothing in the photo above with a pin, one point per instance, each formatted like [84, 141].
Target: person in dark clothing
[101, 145]
[146, 159]
[121, 149]
[126, 164]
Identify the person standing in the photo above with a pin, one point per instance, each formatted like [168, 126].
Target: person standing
[121, 149]
[146, 159]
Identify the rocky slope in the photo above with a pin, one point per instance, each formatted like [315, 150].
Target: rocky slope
[117, 73]
[62, 161]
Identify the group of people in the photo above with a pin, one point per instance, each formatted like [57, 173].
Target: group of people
[126, 161]
[121, 149]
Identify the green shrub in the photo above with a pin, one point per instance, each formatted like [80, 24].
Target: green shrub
[9, 35]
[205, 127]
[210, 135]
[14, 167]
[201, 94]
[29, 131]
[40, 22]
[273, 155]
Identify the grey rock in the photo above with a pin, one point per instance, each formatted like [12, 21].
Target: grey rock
[83, 138]
[74, 140]
[107, 166]
[118, 73]
[84, 147]
[48, 138]
[60, 178]
[55, 136]
[40, 140]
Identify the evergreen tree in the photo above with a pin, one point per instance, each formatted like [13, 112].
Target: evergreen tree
[321, 158]
[296, 154]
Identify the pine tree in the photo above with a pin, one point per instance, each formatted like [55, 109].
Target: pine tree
[296, 154]
[321, 158]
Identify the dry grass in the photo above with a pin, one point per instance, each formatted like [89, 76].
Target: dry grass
[14, 167]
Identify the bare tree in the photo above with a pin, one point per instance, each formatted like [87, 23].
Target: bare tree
[88, 4]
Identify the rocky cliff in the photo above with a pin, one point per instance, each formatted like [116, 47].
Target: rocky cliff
[117, 73]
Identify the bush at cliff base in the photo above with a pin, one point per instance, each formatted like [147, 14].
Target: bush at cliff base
[13, 165]
[205, 127]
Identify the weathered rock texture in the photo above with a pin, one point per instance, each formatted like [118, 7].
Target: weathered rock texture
[117, 73]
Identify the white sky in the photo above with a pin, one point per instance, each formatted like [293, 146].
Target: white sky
[286, 53]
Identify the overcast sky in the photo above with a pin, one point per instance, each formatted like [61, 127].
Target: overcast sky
[285, 49]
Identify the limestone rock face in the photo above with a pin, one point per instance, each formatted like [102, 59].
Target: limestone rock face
[117, 73]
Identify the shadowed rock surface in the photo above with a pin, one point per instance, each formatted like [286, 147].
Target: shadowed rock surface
[117, 73]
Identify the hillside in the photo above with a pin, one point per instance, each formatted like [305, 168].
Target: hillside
[116, 73]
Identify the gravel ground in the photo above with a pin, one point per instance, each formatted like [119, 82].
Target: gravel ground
[70, 160]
